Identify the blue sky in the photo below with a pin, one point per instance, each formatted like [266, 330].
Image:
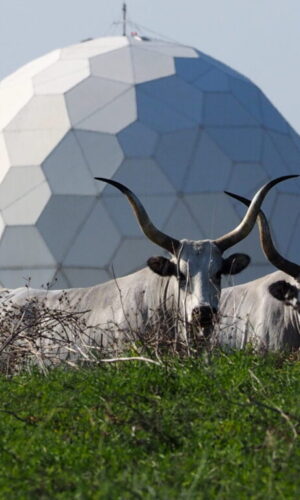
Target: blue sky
[260, 38]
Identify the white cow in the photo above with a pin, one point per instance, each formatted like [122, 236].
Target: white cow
[188, 283]
[265, 312]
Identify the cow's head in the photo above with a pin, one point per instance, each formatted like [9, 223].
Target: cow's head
[197, 266]
[283, 290]
[287, 293]
[197, 272]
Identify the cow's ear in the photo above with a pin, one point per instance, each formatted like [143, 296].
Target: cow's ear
[282, 290]
[235, 263]
[162, 266]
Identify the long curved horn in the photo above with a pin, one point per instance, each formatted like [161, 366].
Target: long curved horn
[247, 224]
[267, 243]
[161, 239]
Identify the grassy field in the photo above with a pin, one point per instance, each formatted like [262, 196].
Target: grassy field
[220, 426]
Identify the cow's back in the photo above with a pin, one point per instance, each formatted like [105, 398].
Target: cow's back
[250, 315]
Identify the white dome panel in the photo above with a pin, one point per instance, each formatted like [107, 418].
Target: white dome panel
[116, 65]
[4, 159]
[113, 117]
[190, 69]
[287, 149]
[174, 154]
[97, 239]
[295, 138]
[210, 168]
[143, 176]
[213, 81]
[149, 65]
[271, 158]
[23, 246]
[13, 98]
[215, 214]
[224, 68]
[41, 113]
[67, 162]
[179, 95]
[27, 209]
[221, 109]
[124, 219]
[2, 225]
[246, 178]
[241, 144]
[75, 276]
[91, 95]
[60, 69]
[293, 251]
[31, 277]
[271, 117]
[280, 213]
[31, 147]
[254, 271]
[101, 152]
[268, 204]
[18, 182]
[138, 140]
[132, 254]
[61, 76]
[92, 48]
[170, 49]
[182, 224]
[248, 96]
[30, 69]
[160, 116]
[251, 247]
[58, 280]
[61, 222]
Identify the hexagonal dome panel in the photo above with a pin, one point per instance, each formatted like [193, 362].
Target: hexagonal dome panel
[175, 125]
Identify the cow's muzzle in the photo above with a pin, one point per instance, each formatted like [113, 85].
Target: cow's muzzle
[204, 316]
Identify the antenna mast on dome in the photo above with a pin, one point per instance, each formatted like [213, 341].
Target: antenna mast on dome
[124, 9]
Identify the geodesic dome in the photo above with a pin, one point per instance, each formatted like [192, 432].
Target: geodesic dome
[174, 125]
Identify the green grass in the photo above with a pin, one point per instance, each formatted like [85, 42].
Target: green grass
[223, 426]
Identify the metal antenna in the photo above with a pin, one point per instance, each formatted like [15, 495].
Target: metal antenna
[124, 9]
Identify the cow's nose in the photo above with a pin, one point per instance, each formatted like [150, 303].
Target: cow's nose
[203, 315]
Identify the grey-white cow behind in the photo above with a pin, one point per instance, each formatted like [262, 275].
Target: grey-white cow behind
[189, 282]
[265, 312]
